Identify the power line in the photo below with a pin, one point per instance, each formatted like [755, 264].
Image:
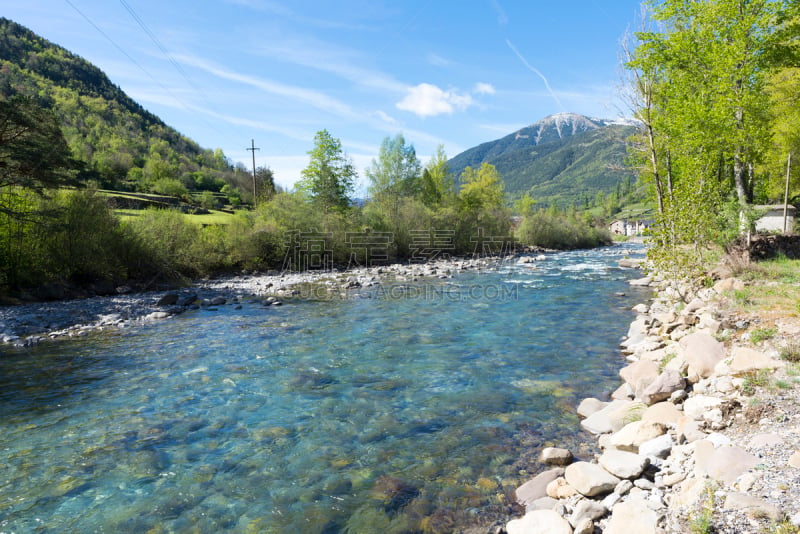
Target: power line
[178, 67]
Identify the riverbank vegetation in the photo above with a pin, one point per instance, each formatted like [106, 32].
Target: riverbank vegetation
[715, 87]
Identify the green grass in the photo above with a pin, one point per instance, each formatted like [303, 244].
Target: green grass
[762, 334]
[213, 218]
[791, 352]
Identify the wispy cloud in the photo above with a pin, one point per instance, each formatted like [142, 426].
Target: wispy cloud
[538, 73]
[437, 61]
[280, 10]
[503, 129]
[326, 57]
[502, 18]
[482, 88]
[301, 94]
[428, 100]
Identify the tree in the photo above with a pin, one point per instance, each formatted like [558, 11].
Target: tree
[33, 152]
[697, 82]
[481, 188]
[436, 184]
[265, 183]
[330, 174]
[396, 172]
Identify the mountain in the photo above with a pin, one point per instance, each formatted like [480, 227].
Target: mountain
[563, 159]
[121, 144]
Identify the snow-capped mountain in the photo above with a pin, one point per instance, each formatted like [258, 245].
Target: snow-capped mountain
[562, 156]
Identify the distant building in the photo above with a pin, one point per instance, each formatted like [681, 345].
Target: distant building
[772, 220]
[628, 227]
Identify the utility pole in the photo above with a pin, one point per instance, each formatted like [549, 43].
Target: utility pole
[786, 193]
[253, 150]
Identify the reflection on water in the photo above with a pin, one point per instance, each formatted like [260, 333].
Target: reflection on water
[414, 407]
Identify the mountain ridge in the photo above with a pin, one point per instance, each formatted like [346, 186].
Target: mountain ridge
[562, 159]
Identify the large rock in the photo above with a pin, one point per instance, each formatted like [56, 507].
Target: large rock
[659, 447]
[753, 506]
[637, 332]
[697, 405]
[560, 489]
[539, 522]
[662, 387]
[639, 375]
[536, 488]
[623, 464]
[632, 516]
[612, 417]
[555, 456]
[589, 406]
[590, 479]
[724, 464]
[688, 430]
[629, 437]
[665, 413]
[701, 352]
[587, 509]
[745, 360]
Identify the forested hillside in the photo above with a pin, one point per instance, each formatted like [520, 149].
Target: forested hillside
[121, 144]
[562, 160]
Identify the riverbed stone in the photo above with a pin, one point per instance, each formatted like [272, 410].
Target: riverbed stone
[560, 489]
[611, 418]
[536, 488]
[168, 299]
[665, 413]
[659, 447]
[723, 464]
[587, 509]
[629, 437]
[639, 375]
[746, 360]
[702, 352]
[667, 382]
[555, 456]
[590, 479]
[632, 516]
[688, 430]
[623, 464]
[752, 505]
[590, 405]
[539, 522]
[794, 460]
[697, 406]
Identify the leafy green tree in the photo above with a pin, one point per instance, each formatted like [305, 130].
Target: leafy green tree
[265, 183]
[396, 172]
[33, 153]
[481, 188]
[697, 82]
[436, 184]
[329, 177]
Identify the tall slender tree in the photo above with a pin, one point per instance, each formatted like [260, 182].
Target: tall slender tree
[329, 177]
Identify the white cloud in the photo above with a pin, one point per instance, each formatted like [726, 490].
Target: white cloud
[437, 61]
[482, 88]
[385, 117]
[428, 100]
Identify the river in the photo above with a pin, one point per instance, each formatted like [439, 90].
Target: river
[406, 407]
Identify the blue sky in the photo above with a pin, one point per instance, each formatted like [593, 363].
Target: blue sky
[224, 72]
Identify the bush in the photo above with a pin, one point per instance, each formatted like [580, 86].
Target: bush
[560, 231]
[170, 187]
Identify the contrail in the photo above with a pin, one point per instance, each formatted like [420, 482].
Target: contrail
[539, 74]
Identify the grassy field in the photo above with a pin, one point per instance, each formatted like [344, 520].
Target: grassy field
[213, 218]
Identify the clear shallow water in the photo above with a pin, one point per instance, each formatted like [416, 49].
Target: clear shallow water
[408, 408]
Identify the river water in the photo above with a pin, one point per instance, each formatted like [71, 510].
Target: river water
[407, 407]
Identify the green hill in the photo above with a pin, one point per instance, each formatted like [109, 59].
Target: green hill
[564, 159]
[121, 144]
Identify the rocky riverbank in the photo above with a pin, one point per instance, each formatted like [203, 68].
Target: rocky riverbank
[29, 324]
[702, 436]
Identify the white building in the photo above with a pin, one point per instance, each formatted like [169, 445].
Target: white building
[629, 228]
[772, 220]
